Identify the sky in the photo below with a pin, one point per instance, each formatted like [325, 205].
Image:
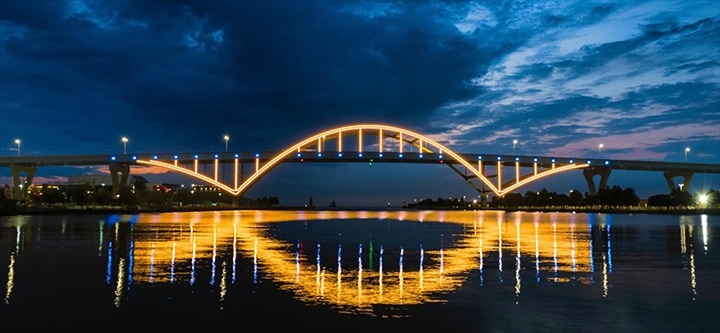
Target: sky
[560, 77]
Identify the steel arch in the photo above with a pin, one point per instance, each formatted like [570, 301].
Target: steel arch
[403, 137]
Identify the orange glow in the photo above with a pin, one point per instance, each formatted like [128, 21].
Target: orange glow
[216, 169]
[187, 172]
[499, 176]
[336, 133]
[236, 173]
[190, 236]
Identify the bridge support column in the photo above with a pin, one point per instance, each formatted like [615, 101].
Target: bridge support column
[20, 190]
[685, 185]
[591, 172]
[124, 171]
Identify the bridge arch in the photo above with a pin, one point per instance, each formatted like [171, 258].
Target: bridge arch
[402, 140]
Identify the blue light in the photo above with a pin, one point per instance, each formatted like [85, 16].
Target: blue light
[517, 159]
[196, 157]
[319, 154]
[175, 157]
[400, 155]
[421, 156]
[216, 155]
[237, 155]
[571, 162]
[380, 155]
[479, 157]
[607, 162]
[112, 158]
[589, 162]
[257, 155]
[535, 159]
[440, 156]
[339, 154]
[499, 158]
[359, 154]
[553, 160]
[134, 158]
[155, 157]
[298, 154]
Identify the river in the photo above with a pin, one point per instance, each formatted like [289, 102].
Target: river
[449, 271]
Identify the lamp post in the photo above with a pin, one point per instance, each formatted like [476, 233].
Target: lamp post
[124, 141]
[687, 150]
[227, 139]
[514, 144]
[17, 142]
[600, 147]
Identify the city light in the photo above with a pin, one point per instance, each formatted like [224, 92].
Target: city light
[227, 139]
[703, 199]
[687, 150]
[17, 142]
[124, 141]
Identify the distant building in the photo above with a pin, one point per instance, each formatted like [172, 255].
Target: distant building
[165, 187]
[99, 181]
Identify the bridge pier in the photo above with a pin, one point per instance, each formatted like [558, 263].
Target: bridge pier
[686, 174]
[20, 190]
[124, 171]
[591, 172]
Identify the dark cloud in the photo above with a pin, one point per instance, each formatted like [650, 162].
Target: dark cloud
[177, 75]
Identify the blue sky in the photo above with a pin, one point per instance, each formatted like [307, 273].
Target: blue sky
[561, 77]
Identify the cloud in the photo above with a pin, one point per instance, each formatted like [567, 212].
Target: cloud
[558, 76]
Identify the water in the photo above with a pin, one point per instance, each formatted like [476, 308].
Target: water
[455, 271]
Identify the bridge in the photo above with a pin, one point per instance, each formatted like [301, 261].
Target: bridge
[374, 143]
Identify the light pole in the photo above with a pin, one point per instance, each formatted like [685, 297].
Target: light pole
[600, 147]
[17, 142]
[124, 141]
[226, 138]
[514, 144]
[687, 150]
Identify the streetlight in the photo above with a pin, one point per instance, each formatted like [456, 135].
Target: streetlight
[687, 150]
[600, 147]
[514, 143]
[226, 138]
[17, 142]
[124, 141]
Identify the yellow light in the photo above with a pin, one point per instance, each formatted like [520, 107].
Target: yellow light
[703, 198]
[260, 171]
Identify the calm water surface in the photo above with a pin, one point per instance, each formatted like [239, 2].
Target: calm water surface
[425, 271]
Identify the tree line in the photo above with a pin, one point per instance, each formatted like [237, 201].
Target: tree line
[606, 198]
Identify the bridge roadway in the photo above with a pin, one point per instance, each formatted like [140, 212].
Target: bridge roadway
[331, 156]
[119, 164]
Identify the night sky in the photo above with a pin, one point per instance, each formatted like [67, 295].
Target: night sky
[561, 77]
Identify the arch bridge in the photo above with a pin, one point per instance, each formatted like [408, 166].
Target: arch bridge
[498, 174]
[370, 143]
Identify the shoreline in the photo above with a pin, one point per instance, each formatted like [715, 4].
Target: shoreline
[138, 210]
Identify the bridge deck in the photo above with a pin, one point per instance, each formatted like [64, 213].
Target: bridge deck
[354, 157]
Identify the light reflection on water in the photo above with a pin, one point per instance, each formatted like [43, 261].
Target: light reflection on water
[386, 263]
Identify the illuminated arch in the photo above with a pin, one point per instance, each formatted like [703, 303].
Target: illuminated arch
[403, 137]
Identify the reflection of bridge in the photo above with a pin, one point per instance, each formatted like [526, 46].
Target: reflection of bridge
[362, 143]
[352, 278]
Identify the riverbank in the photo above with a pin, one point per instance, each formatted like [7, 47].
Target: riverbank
[26, 210]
